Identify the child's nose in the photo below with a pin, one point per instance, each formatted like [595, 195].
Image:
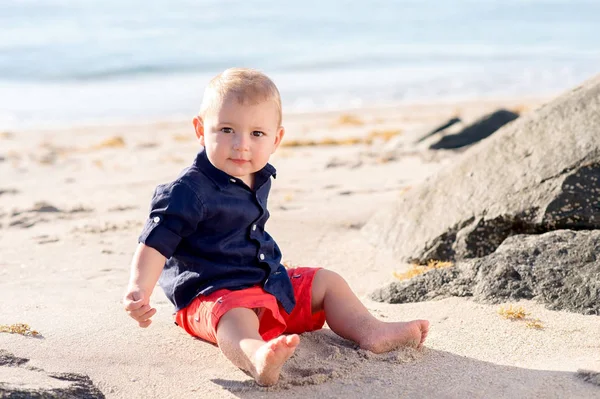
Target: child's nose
[241, 142]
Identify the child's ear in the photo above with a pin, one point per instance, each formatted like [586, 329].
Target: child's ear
[199, 129]
[278, 137]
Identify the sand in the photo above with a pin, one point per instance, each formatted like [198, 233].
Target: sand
[72, 203]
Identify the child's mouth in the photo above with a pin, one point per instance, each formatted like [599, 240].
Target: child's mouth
[239, 161]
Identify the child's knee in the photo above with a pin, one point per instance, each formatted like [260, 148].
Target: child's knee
[237, 319]
[327, 278]
[324, 281]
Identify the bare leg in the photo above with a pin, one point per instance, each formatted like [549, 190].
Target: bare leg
[349, 318]
[238, 339]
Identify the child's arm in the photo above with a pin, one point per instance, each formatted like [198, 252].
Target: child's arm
[146, 266]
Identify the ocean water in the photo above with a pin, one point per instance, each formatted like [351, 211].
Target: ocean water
[86, 61]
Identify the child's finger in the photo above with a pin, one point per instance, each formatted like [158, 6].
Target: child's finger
[133, 305]
[147, 315]
[139, 312]
[143, 316]
[145, 323]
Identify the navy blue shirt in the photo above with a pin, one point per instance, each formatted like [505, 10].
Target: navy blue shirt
[210, 227]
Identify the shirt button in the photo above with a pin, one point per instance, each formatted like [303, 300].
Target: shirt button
[262, 256]
[156, 219]
[253, 227]
[232, 180]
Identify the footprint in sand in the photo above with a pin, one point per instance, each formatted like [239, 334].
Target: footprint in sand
[26, 222]
[147, 145]
[122, 208]
[128, 225]
[353, 225]
[288, 208]
[42, 212]
[11, 191]
[348, 163]
[45, 239]
[324, 355]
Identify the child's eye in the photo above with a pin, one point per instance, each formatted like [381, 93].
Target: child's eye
[227, 130]
[257, 133]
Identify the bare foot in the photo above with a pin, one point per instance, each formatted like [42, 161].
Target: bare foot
[389, 336]
[270, 357]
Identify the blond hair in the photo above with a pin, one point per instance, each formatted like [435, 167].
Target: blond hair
[248, 86]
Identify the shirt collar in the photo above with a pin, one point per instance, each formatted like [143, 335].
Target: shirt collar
[222, 179]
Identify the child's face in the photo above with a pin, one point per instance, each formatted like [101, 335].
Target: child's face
[240, 138]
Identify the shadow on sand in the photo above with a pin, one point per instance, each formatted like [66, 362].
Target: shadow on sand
[327, 366]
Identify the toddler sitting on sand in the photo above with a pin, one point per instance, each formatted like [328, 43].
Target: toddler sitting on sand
[205, 243]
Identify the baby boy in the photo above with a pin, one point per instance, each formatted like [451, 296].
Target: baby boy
[205, 243]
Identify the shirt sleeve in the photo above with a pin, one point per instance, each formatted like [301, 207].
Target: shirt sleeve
[175, 212]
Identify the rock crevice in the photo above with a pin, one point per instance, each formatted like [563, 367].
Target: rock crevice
[559, 268]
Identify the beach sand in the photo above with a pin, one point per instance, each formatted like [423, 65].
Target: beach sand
[73, 201]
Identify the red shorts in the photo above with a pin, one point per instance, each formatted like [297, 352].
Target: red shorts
[201, 317]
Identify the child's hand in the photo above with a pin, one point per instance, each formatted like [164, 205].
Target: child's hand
[137, 305]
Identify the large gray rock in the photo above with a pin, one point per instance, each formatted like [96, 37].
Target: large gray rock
[539, 173]
[560, 269]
